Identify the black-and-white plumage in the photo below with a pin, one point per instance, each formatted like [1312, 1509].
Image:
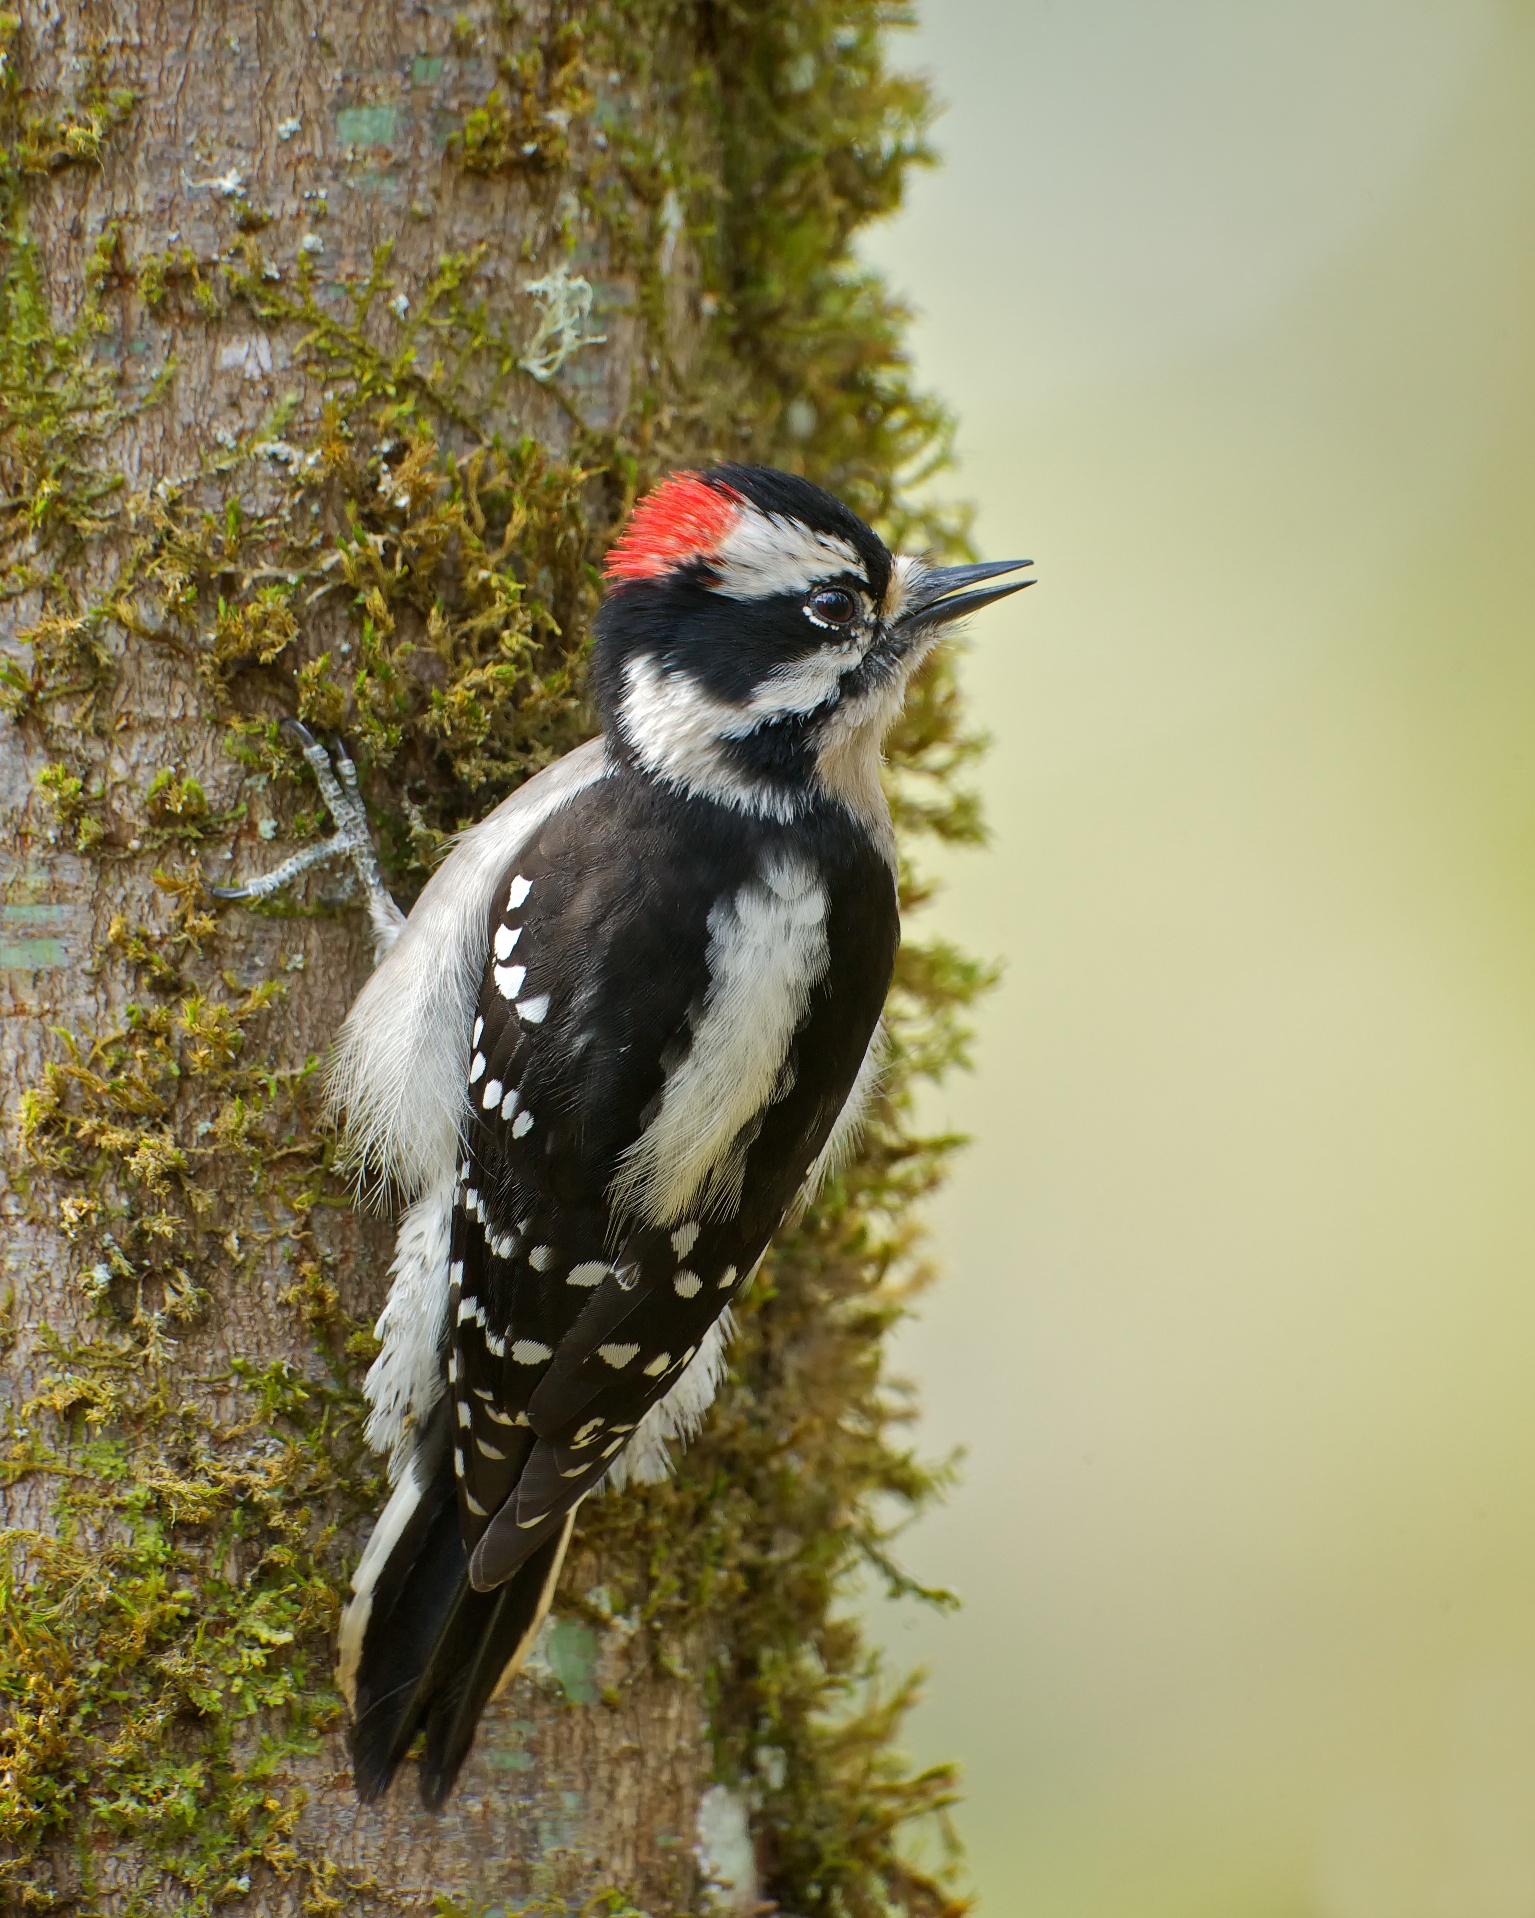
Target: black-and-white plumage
[628, 1018]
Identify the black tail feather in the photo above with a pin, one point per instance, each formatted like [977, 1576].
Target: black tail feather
[426, 1648]
[519, 1608]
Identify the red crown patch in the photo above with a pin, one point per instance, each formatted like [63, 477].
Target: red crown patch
[683, 518]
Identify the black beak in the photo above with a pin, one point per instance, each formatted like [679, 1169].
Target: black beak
[939, 595]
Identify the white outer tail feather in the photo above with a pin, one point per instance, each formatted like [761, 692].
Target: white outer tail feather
[385, 1535]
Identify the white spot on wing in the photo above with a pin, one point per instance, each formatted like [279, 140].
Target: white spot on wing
[533, 1011]
[506, 938]
[685, 1238]
[618, 1356]
[589, 1272]
[509, 1104]
[491, 1095]
[677, 1414]
[522, 1123]
[687, 1285]
[398, 1070]
[520, 889]
[529, 1352]
[658, 1365]
[509, 980]
[477, 1067]
[541, 1258]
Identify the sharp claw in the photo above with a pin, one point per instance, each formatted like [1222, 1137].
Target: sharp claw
[341, 759]
[336, 777]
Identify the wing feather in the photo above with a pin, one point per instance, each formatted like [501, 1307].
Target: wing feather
[631, 1012]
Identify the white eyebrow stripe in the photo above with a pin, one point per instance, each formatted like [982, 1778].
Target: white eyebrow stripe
[763, 555]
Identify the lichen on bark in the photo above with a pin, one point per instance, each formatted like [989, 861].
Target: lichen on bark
[290, 422]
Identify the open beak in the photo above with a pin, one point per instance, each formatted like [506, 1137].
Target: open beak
[939, 595]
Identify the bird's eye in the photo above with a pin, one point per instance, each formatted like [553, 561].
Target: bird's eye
[831, 607]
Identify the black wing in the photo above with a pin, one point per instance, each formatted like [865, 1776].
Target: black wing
[567, 1323]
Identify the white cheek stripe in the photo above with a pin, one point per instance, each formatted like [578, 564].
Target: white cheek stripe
[804, 684]
[679, 733]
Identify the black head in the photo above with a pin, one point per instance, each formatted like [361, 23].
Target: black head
[757, 637]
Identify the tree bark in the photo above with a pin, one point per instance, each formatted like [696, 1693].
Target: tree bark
[305, 411]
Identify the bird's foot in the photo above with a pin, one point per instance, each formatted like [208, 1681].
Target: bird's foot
[351, 840]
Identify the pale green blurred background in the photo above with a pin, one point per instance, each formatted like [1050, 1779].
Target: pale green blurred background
[1236, 304]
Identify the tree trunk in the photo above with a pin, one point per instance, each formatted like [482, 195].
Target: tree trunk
[335, 338]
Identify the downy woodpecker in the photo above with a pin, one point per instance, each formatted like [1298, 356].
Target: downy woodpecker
[632, 1016]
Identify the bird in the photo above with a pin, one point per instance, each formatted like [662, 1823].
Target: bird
[631, 1020]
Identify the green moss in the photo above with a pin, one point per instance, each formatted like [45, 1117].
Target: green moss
[526, 119]
[165, 1640]
[178, 1601]
[167, 1648]
[176, 270]
[65, 794]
